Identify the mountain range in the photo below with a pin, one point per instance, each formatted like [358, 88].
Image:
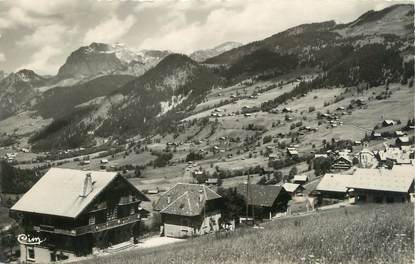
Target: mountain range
[202, 55]
[110, 90]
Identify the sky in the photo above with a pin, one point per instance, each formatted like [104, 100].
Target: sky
[41, 34]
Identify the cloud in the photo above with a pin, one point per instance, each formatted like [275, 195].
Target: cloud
[2, 57]
[246, 21]
[110, 30]
[41, 61]
[45, 35]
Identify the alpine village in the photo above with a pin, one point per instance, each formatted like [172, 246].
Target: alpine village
[296, 148]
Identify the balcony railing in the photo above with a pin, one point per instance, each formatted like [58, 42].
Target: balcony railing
[91, 228]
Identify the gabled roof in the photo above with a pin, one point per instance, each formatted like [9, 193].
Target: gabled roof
[58, 192]
[334, 183]
[185, 199]
[344, 158]
[404, 139]
[398, 179]
[290, 187]
[260, 195]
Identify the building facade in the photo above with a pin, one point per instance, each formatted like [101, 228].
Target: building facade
[76, 213]
[189, 210]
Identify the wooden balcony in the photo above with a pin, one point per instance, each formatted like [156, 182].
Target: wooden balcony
[90, 228]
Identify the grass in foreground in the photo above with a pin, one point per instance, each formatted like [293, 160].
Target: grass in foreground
[364, 234]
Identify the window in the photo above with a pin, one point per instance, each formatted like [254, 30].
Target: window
[31, 253]
[132, 210]
[91, 220]
[112, 214]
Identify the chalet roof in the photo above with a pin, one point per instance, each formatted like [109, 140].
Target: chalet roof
[334, 183]
[290, 187]
[389, 122]
[58, 192]
[344, 158]
[398, 179]
[260, 195]
[404, 139]
[301, 177]
[185, 199]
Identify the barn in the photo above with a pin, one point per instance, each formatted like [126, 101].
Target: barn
[264, 201]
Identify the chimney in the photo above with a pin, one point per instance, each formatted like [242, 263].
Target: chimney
[87, 186]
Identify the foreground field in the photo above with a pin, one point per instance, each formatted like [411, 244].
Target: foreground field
[366, 234]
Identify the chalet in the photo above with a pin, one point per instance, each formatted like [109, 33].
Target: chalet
[287, 110]
[342, 163]
[399, 133]
[293, 189]
[393, 155]
[264, 200]
[382, 185]
[292, 152]
[75, 213]
[334, 186]
[402, 141]
[300, 179]
[388, 123]
[189, 210]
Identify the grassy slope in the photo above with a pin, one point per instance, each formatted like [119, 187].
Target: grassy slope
[367, 234]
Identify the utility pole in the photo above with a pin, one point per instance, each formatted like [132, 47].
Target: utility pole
[247, 199]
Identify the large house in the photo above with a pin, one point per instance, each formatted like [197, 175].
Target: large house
[189, 210]
[70, 213]
[334, 186]
[342, 163]
[382, 185]
[264, 201]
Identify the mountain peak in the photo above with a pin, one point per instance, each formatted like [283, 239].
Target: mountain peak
[101, 58]
[27, 75]
[395, 20]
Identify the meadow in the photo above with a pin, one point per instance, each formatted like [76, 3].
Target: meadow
[359, 234]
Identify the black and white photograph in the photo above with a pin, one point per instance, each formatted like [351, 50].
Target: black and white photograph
[207, 131]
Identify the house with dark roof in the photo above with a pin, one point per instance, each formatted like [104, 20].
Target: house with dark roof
[72, 213]
[264, 201]
[189, 210]
[342, 163]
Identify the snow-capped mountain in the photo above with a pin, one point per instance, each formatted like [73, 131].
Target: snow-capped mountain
[202, 55]
[102, 59]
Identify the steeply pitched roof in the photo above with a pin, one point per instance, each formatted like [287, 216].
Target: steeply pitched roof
[290, 187]
[58, 192]
[334, 183]
[398, 179]
[260, 195]
[185, 199]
